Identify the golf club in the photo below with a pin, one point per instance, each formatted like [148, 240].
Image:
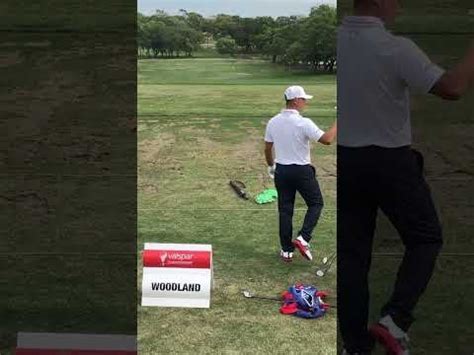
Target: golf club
[326, 265]
[326, 259]
[248, 294]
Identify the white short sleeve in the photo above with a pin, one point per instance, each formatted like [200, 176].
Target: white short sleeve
[268, 134]
[415, 68]
[312, 131]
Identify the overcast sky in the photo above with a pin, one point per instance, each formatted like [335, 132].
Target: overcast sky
[244, 8]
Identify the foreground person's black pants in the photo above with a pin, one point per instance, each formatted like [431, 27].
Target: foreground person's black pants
[390, 179]
[288, 180]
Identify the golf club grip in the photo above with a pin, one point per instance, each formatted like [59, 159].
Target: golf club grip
[239, 188]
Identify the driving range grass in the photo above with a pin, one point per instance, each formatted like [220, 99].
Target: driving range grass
[201, 123]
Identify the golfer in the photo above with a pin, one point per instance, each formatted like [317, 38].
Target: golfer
[290, 134]
[378, 169]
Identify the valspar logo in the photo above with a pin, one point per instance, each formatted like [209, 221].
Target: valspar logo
[163, 258]
[177, 258]
[180, 257]
[174, 286]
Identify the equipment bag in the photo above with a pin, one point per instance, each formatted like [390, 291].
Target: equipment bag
[304, 301]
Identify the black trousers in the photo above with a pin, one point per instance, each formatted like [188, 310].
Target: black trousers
[288, 180]
[391, 179]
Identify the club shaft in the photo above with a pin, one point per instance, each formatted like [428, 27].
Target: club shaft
[267, 298]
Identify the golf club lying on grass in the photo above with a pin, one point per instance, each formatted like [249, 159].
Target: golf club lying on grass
[326, 259]
[248, 294]
[326, 265]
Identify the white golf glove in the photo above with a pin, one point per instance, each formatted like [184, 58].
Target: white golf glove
[271, 171]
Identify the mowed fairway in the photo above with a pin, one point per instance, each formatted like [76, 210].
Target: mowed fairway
[201, 123]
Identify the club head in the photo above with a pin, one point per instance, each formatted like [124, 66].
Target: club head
[329, 259]
[247, 294]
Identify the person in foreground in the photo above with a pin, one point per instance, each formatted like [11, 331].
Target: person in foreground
[290, 134]
[378, 169]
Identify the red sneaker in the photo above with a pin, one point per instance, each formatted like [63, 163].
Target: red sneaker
[393, 345]
[303, 247]
[286, 256]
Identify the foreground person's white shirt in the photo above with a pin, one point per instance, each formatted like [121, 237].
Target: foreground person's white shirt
[375, 71]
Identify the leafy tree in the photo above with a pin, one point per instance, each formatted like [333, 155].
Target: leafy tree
[291, 40]
[225, 25]
[226, 45]
[319, 30]
[280, 38]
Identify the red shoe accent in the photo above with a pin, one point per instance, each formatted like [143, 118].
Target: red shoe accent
[286, 259]
[303, 249]
[387, 340]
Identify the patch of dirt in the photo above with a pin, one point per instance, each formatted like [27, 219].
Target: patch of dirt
[245, 157]
[148, 188]
[160, 154]
[249, 153]
[325, 165]
[218, 159]
[151, 150]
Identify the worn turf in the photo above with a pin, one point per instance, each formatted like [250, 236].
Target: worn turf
[201, 123]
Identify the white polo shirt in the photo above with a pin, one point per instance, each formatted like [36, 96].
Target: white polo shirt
[375, 71]
[290, 134]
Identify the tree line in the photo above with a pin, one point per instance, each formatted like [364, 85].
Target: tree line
[306, 40]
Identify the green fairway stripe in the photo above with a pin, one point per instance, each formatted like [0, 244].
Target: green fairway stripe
[201, 122]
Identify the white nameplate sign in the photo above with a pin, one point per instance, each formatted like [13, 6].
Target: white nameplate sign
[177, 275]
